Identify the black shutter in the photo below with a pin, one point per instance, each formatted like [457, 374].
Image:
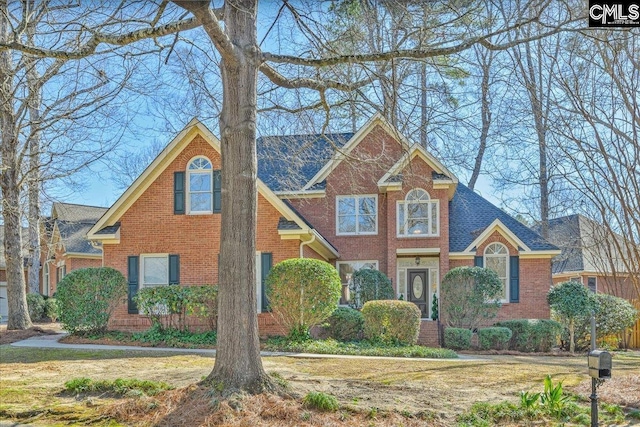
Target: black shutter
[132, 275]
[514, 279]
[174, 269]
[266, 261]
[57, 275]
[178, 193]
[217, 191]
[478, 261]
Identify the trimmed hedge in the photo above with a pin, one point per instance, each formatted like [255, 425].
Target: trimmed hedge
[457, 338]
[345, 324]
[36, 306]
[391, 322]
[496, 338]
[303, 292]
[369, 285]
[87, 297]
[532, 335]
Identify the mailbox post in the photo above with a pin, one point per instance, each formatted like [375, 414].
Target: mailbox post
[599, 362]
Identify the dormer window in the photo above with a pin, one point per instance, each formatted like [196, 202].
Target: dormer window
[418, 215]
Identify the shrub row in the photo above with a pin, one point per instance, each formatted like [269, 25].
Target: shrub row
[168, 306]
[532, 335]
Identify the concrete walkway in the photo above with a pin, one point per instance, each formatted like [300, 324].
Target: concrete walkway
[52, 341]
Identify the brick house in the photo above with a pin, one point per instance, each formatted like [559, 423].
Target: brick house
[364, 200]
[65, 246]
[589, 256]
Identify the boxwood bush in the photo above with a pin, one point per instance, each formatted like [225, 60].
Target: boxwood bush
[532, 335]
[496, 338]
[457, 338]
[391, 322]
[369, 285]
[35, 305]
[345, 324]
[303, 292]
[87, 297]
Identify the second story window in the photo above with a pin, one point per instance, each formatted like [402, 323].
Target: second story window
[199, 185]
[418, 215]
[357, 215]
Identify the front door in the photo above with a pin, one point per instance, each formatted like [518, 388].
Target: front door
[418, 290]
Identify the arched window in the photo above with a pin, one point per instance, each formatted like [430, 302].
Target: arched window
[496, 257]
[418, 215]
[200, 186]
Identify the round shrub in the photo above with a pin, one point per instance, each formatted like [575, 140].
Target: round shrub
[51, 309]
[35, 305]
[345, 324]
[532, 335]
[87, 297]
[469, 295]
[391, 322]
[457, 338]
[496, 338]
[303, 292]
[369, 285]
[613, 315]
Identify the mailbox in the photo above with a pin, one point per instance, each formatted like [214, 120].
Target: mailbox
[600, 364]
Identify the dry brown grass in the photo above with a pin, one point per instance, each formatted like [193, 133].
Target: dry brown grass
[622, 390]
[195, 406]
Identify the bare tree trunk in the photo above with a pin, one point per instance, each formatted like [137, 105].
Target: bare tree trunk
[423, 105]
[33, 181]
[9, 184]
[238, 364]
[485, 63]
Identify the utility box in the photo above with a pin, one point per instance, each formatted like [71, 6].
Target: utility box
[600, 364]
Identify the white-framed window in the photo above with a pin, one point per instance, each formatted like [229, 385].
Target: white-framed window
[45, 279]
[576, 279]
[154, 270]
[346, 270]
[418, 215]
[357, 214]
[200, 186]
[496, 258]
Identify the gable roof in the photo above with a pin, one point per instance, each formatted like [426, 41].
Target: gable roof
[339, 155]
[107, 227]
[586, 245]
[470, 215]
[73, 222]
[288, 162]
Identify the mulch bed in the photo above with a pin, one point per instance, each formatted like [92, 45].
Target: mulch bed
[8, 337]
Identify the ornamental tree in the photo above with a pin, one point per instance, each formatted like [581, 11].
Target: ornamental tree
[302, 293]
[570, 301]
[470, 295]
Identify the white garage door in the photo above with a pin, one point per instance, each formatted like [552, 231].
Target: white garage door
[4, 309]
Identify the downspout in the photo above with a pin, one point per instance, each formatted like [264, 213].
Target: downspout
[98, 246]
[308, 242]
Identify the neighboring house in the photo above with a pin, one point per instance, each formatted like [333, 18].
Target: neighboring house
[363, 200]
[65, 247]
[589, 256]
[4, 309]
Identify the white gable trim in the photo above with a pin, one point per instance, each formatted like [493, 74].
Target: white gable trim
[498, 226]
[341, 154]
[403, 162]
[164, 159]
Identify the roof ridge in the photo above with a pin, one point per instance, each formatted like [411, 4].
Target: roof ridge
[78, 204]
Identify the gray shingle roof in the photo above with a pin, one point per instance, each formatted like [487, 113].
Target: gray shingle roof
[74, 222]
[470, 214]
[565, 232]
[288, 162]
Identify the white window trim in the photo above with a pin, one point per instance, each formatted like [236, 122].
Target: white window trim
[402, 204]
[141, 272]
[506, 282]
[356, 198]
[372, 261]
[188, 186]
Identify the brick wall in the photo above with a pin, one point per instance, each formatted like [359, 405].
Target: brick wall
[150, 226]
